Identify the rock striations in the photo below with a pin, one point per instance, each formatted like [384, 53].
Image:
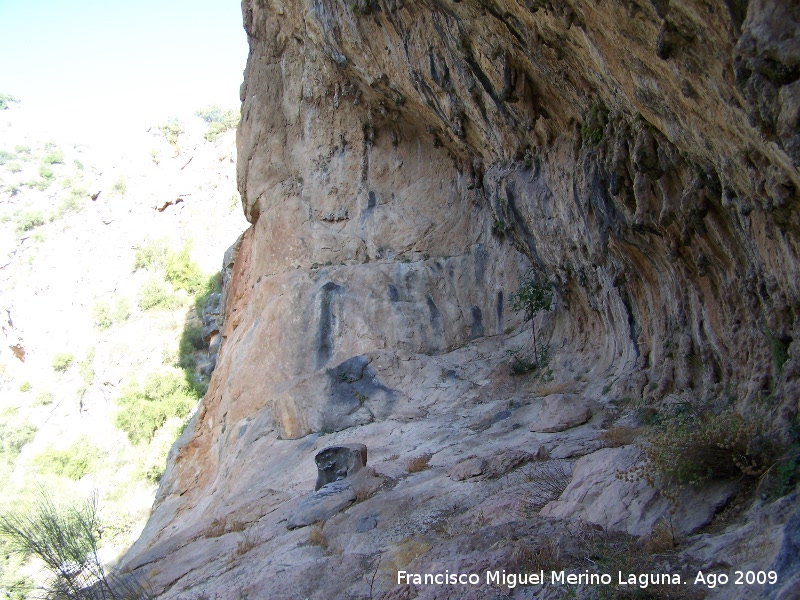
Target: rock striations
[403, 164]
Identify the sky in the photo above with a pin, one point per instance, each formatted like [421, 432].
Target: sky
[108, 67]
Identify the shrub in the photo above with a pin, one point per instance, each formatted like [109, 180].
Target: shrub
[539, 483]
[14, 167]
[152, 254]
[46, 173]
[56, 157]
[73, 462]
[101, 315]
[6, 156]
[66, 539]
[25, 386]
[71, 204]
[5, 100]
[27, 220]
[316, 537]
[154, 295]
[171, 130]
[43, 398]
[154, 457]
[40, 185]
[693, 446]
[182, 272]
[122, 310]
[143, 410]
[22, 150]
[620, 435]
[219, 121]
[119, 188]
[14, 434]
[212, 285]
[85, 367]
[62, 361]
[192, 339]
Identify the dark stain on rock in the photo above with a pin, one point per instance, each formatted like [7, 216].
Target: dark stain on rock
[480, 262]
[327, 323]
[435, 315]
[499, 311]
[477, 322]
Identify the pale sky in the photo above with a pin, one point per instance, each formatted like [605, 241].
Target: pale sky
[106, 66]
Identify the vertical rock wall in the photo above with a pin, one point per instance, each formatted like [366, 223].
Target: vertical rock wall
[643, 155]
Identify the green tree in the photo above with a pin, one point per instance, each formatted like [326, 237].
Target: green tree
[5, 99]
[534, 295]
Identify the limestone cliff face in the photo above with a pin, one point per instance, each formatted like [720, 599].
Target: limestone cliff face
[403, 163]
[643, 155]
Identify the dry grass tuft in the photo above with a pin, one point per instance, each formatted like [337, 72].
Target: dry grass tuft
[316, 537]
[620, 435]
[246, 544]
[418, 463]
[216, 528]
[547, 555]
[661, 540]
[539, 483]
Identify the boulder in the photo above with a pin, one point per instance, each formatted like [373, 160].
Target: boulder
[339, 462]
[492, 466]
[563, 411]
[598, 496]
[322, 504]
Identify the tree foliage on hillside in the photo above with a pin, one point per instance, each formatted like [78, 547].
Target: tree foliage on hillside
[219, 120]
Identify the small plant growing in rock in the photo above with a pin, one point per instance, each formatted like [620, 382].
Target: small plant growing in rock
[592, 128]
[534, 295]
[499, 228]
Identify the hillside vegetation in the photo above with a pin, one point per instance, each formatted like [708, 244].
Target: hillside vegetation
[109, 259]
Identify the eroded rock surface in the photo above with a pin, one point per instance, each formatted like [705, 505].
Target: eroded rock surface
[402, 164]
